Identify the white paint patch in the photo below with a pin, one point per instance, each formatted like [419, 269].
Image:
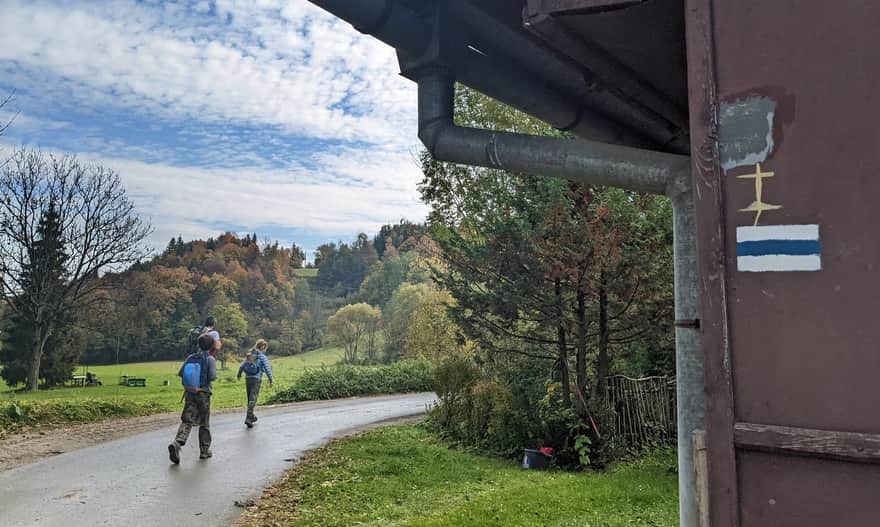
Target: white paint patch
[754, 158]
[745, 131]
[777, 232]
[779, 262]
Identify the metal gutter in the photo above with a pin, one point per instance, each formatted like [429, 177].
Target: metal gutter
[575, 159]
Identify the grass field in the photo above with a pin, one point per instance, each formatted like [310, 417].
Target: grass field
[227, 391]
[403, 476]
[306, 273]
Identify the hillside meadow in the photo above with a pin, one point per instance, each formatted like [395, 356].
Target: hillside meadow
[72, 404]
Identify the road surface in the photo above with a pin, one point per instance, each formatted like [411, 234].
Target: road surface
[131, 482]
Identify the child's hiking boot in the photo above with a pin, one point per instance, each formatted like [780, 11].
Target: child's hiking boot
[248, 423]
[174, 453]
[205, 454]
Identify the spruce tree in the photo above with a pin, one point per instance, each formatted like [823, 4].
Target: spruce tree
[40, 311]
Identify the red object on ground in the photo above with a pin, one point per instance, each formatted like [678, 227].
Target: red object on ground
[547, 451]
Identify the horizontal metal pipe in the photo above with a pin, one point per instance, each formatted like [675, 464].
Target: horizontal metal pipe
[578, 160]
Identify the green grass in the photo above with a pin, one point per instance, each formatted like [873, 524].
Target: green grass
[403, 476]
[306, 273]
[58, 404]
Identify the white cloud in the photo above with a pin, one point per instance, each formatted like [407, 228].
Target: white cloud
[198, 202]
[280, 63]
[284, 69]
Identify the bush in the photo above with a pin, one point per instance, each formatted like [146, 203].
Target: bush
[346, 380]
[500, 413]
[475, 411]
[17, 414]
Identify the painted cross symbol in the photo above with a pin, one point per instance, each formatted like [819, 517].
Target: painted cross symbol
[758, 206]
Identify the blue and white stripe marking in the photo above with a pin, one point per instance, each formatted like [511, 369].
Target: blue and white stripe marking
[767, 248]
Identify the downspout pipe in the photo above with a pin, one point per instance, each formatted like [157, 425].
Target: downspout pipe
[596, 163]
[579, 160]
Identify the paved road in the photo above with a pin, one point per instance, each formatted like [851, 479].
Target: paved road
[130, 481]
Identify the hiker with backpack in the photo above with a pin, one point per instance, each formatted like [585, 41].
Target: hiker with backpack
[256, 363]
[209, 329]
[197, 372]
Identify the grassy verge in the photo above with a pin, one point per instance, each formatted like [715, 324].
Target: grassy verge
[75, 405]
[403, 476]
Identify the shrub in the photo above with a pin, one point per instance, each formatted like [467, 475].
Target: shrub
[500, 413]
[17, 414]
[476, 412]
[346, 380]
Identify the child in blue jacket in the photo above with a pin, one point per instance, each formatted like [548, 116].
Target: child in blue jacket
[256, 363]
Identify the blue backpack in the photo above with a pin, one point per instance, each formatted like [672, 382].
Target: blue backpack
[195, 373]
[252, 368]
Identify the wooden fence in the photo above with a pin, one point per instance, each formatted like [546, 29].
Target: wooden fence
[642, 410]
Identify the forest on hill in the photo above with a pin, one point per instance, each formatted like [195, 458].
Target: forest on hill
[255, 289]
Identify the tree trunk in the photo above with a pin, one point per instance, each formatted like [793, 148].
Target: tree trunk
[603, 365]
[581, 365]
[563, 348]
[39, 343]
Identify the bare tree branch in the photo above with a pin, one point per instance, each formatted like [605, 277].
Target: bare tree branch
[100, 231]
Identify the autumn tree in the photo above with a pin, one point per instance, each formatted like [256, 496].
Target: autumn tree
[233, 327]
[350, 325]
[98, 230]
[397, 317]
[431, 332]
[341, 270]
[546, 269]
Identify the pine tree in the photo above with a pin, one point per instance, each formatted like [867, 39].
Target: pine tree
[40, 311]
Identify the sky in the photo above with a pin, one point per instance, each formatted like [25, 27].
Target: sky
[242, 115]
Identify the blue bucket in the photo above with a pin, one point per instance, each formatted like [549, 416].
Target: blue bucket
[535, 459]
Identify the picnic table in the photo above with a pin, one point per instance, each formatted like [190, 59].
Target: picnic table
[125, 380]
[81, 381]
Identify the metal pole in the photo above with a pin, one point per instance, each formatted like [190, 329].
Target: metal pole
[689, 394]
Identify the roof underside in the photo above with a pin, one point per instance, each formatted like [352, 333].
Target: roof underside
[635, 48]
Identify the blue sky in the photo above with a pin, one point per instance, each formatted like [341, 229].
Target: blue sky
[293, 124]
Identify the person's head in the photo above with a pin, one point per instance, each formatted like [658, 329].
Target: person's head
[250, 357]
[261, 346]
[210, 322]
[206, 342]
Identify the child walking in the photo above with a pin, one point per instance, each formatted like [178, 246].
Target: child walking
[256, 363]
[197, 373]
